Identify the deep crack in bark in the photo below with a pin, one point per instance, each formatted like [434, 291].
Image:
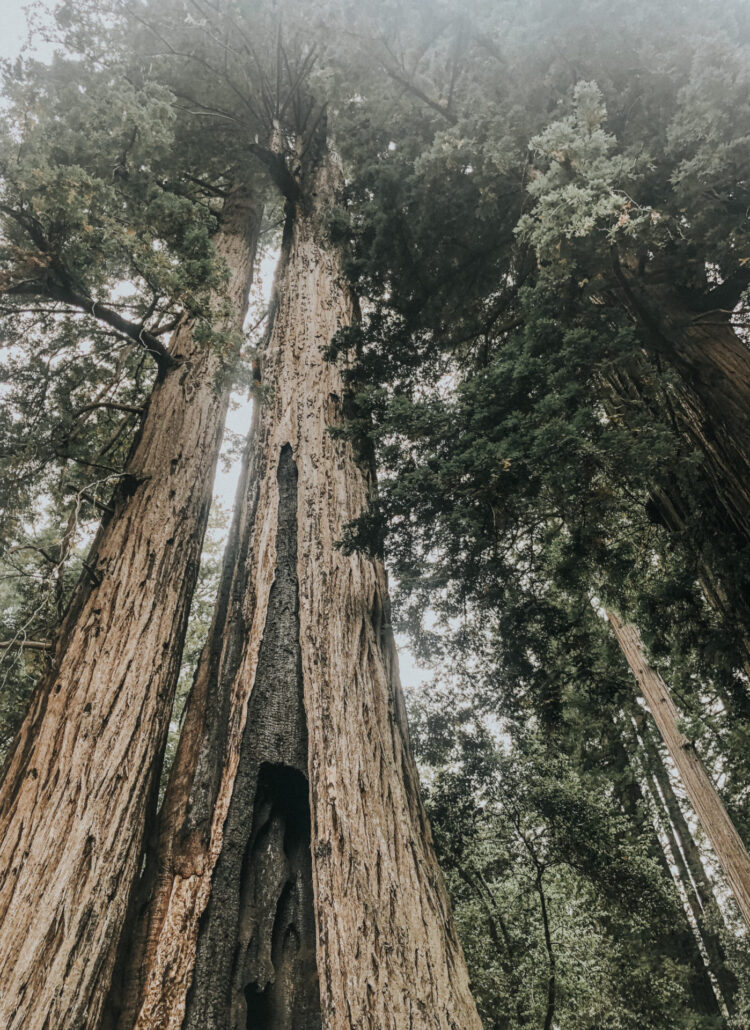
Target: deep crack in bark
[255, 964]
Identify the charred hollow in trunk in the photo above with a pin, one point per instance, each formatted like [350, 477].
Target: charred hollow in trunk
[375, 876]
[255, 962]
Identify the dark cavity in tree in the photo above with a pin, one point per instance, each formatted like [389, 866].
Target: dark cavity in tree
[255, 964]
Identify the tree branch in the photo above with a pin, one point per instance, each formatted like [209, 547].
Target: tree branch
[278, 170]
[29, 645]
[149, 342]
[132, 408]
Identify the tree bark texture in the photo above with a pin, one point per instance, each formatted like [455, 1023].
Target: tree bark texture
[714, 404]
[85, 767]
[673, 509]
[296, 884]
[713, 817]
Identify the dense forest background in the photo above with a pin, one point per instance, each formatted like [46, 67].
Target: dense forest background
[545, 218]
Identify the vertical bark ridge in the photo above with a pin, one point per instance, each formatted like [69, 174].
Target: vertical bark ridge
[73, 801]
[387, 951]
[714, 365]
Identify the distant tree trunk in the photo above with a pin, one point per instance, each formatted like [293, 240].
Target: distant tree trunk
[687, 858]
[726, 842]
[85, 767]
[680, 939]
[296, 884]
[734, 612]
[672, 509]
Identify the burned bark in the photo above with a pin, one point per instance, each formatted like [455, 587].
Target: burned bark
[255, 960]
[386, 951]
[85, 767]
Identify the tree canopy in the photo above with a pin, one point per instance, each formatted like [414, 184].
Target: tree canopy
[543, 215]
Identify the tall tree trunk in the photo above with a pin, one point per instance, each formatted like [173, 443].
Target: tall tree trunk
[85, 767]
[732, 605]
[296, 884]
[680, 941]
[713, 817]
[687, 859]
[714, 404]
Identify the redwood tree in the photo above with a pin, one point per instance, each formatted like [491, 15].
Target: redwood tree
[292, 825]
[82, 777]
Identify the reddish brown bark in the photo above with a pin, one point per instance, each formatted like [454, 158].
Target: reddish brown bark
[713, 405]
[386, 951]
[84, 769]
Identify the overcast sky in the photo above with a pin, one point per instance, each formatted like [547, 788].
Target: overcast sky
[13, 25]
[13, 35]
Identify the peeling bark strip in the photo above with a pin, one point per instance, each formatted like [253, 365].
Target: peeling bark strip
[708, 806]
[388, 957]
[74, 800]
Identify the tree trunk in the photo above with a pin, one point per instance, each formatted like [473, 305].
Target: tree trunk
[714, 404]
[680, 940]
[85, 767]
[687, 859]
[673, 509]
[296, 884]
[726, 842]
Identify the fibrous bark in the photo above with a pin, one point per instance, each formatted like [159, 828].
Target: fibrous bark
[256, 946]
[713, 405]
[85, 766]
[713, 817]
[256, 761]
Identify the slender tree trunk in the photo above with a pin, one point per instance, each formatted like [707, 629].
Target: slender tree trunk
[687, 859]
[549, 1014]
[85, 767]
[500, 937]
[297, 885]
[680, 941]
[726, 842]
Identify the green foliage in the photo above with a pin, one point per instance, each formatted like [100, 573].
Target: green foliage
[515, 174]
[514, 822]
[528, 434]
